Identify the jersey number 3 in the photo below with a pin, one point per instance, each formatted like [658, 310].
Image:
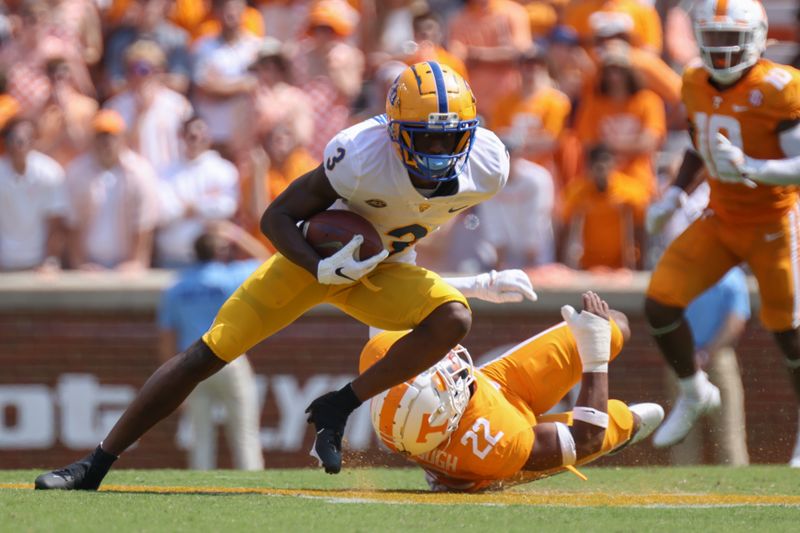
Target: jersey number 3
[414, 231]
[332, 160]
[481, 449]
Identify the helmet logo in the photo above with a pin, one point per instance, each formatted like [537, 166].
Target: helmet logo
[426, 428]
[393, 93]
[446, 120]
[376, 202]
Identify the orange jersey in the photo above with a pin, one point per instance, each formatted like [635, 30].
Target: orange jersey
[545, 111]
[298, 163]
[494, 437]
[608, 218]
[493, 440]
[600, 118]
[645, 23]
[748, 114]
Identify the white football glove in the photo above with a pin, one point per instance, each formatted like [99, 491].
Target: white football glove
[342, 268]
[503, 287]
[730, 161]
[592, 335]
[659, 212]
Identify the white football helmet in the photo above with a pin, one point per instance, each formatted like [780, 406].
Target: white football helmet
[417, 416]
[731, 35]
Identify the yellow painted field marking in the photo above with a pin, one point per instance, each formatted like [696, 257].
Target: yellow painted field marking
[562, 499]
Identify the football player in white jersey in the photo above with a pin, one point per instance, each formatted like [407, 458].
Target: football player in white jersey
[406, 172]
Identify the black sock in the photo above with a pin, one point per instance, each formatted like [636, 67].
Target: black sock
[347, 399]
[100, 462]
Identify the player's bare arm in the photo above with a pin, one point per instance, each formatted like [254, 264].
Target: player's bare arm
[556, 444]
[306, 196]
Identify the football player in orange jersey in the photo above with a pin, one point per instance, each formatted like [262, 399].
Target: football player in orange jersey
[744, 116]
[474, 429]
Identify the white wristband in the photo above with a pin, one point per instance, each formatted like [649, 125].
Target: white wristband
[569, 453]
[591, 416]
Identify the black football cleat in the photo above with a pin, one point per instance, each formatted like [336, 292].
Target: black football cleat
[86, 474]
[327, 449]
[329, 421]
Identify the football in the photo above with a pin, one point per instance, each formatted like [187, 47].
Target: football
[327, 232]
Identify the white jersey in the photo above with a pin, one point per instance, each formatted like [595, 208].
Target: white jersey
[365, 169]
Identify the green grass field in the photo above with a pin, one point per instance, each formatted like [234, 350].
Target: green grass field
[764, 498]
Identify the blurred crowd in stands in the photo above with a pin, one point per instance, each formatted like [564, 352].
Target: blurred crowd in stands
[130, 125]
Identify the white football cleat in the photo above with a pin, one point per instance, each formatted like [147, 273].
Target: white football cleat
[684, 414]
[650, 417]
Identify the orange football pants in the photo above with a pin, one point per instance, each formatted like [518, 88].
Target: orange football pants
[710, 247]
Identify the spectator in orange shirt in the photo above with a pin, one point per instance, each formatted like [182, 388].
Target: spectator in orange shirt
[642, 19]
[601, 216]
[544, 15]
[629, 120]
[250, 22]
[534, 115]
[287, 160]
[655, 74]
[282, 160]
[428, 41]
[488, 35]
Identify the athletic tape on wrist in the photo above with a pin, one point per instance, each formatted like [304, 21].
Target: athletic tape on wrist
[568, 452]
[590, 416]
[602, 367]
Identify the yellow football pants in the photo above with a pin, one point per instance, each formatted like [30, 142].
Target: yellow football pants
[395, 296]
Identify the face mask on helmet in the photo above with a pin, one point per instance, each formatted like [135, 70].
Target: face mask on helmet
[730, 43]
[432, 121]
[438, 149]
[417, 416]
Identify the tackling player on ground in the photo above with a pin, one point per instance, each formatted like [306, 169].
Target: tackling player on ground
[407, 173]
[744, 115]
[474, 429]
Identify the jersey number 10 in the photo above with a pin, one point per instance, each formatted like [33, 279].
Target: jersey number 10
[707, 128]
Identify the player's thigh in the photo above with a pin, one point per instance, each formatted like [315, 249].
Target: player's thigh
[775, 263]
[273, 297]
[542, 369]
[396, 296]
[695, 261]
